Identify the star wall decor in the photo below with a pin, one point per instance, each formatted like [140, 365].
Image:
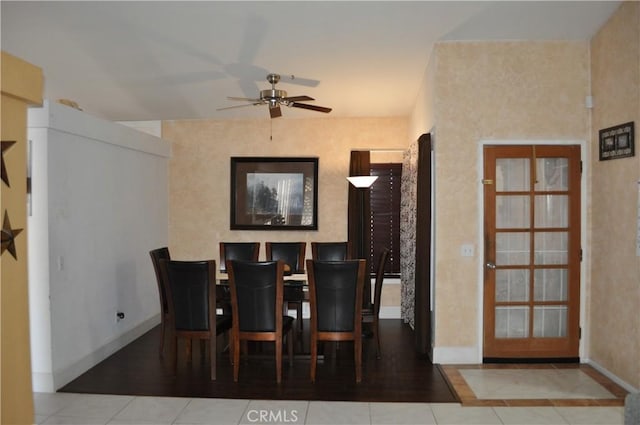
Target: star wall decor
[6, 144]
[8, 236]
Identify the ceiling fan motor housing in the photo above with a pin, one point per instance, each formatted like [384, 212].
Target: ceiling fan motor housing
[272, 94]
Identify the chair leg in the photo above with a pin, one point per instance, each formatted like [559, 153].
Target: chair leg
[162, 330]
[299, 316]
[376, 335]
[174, 353]
[357, 348]
[236, 357]
[278, 343]
[212, 355]
[291, 338]
[314, 358]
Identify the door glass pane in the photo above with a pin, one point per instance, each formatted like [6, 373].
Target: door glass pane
[512, 285]
[551, 247]
[550, 285]
[512, 174]
[550, 322]
[551, 211]
[512, 212]
[512, 248]
[512, 322]
[552, 174]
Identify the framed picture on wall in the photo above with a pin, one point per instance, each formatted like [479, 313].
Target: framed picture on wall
[617, 142]
[274, 193]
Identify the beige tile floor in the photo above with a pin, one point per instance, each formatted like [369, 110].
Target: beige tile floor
[68, 408]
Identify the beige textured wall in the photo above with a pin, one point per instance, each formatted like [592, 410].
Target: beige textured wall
[199, 173]
[497, 90]
[615, 281]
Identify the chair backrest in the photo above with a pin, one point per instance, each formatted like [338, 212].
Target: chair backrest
[336, 294]
[330, 251]
[256, 294]
[292, 253]
[157, 255]
[242, 251]
[191, 293]
[377, 291]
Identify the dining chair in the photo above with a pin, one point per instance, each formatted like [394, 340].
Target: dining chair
[293, 255]
[371, 316]
[331, 251]
[335, 296]
[191, 294]
[256, 305]
[157, 255]
[243, 251]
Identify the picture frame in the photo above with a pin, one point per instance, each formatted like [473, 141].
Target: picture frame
[617, 142]
[274, 193]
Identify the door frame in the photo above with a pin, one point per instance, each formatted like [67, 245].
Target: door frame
[586, 254]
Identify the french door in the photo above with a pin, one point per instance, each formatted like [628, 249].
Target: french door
[532, 251]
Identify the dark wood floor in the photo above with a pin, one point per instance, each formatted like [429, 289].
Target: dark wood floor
[400, 375]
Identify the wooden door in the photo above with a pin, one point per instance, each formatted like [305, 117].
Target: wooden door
[532, 251]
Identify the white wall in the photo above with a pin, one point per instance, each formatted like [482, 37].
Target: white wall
[100, 203]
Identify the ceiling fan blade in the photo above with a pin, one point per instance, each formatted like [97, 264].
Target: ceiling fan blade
[275, 111]
[246, 99]
[311, 107]
[294, 79]
[298, 98]
[239, 106]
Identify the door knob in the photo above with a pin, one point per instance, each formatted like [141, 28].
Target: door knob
[490, 265]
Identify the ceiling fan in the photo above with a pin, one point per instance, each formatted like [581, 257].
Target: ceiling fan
[275, 98]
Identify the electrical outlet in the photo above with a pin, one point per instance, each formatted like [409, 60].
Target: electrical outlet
[466, 250]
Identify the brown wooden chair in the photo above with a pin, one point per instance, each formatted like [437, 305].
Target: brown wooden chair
[242, 251]
[191, 294]
[371, 316]
[292, 253]
[157, 255]
[335, 295]
[257, 304]
[331, 251]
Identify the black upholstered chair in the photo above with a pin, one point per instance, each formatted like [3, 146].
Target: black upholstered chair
[242, 251]
[335, 295]
[292, 253]
[256, 304]
[157, 255]
[331, 251]
[371, 316]
[191, 294]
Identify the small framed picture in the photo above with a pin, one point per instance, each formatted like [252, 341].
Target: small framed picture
[617, 142]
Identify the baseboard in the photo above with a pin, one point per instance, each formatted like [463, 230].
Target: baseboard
[63, 376]
[628, 387]
[42, 382]
[456, 355]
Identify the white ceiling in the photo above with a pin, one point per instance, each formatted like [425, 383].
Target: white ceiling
[153, 60]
